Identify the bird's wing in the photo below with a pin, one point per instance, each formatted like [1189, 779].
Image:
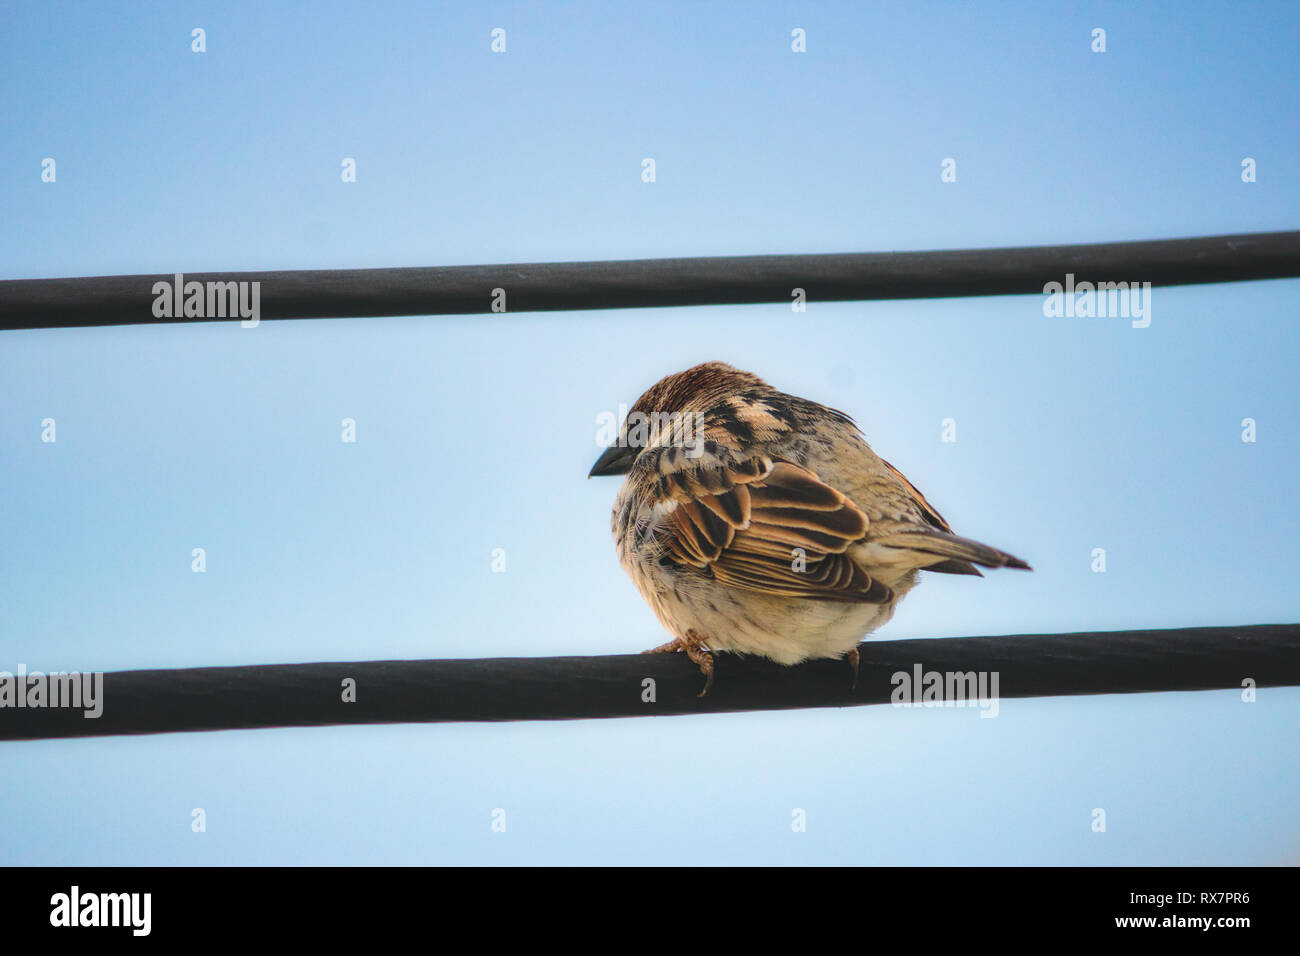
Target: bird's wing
[759, 524]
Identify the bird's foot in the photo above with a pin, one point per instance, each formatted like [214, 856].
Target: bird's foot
[674, 645]
[852, 658]
[693, 646]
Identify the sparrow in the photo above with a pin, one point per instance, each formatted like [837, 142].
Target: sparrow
[759, 523]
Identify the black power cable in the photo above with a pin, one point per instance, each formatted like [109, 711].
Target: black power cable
[643, 685]
[643, 283]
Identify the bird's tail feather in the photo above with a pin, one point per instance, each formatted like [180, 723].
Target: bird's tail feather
[952, 554]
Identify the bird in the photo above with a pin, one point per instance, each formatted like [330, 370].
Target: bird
[755, 522]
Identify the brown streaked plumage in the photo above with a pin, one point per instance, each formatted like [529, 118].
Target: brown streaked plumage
[757, 522]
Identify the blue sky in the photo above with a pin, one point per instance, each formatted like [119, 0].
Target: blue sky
[476, 433]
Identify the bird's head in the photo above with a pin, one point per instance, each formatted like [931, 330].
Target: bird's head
[671, 402]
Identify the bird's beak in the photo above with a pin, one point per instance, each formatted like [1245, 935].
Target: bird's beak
[615, 460]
